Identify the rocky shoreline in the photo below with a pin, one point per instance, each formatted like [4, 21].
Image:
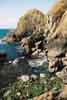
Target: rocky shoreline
[44, 58]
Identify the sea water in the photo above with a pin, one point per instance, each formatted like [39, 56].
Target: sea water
[3, 32]
[10, 49]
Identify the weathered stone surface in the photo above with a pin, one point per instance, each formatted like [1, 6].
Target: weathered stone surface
[25, 45]
[63, 75]
[11, 38]
[53, 52]
[36, 53]
[63, 94]
[64, 60]
[45, 96]
[57, 36]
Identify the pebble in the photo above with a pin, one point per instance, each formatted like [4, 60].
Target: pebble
[24, 78]
[10, 62]
[18, 94]
[42, 75]
[33, 76]
[15, 61]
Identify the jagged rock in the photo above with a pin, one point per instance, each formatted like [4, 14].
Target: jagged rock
[59, 15]
[58, 9]
[37, 44]
[64, 60]
[52, 64]
[45, 96]
[63, 75]
[10, 38]
[36, 53]
[59, 75]
[56, 52]
[61, 30]
[55, 64]
[57, 43]
[63, 94]
[25, 45]
[43, 53]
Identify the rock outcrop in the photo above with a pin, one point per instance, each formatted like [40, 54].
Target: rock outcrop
[57, 36]
[45, 96]
[32, 27]
[34, 21]
[33, 31]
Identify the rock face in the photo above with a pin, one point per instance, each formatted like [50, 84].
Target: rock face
[57, 36]
[63, 94]
[45, 96]
[31, 30]
[3, 57]
[30, 36]
[57, 43]
[58, 14]
[25, 46]
[30, 33]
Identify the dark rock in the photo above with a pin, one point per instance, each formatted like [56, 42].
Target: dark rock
[3, 57]
[10, 72]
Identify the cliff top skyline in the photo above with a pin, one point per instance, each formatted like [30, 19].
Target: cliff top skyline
[11, 10]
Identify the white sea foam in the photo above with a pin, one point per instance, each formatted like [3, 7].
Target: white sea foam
[37, 62]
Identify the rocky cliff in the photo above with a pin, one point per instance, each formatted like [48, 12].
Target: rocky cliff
[33, 30]
[32, 26]
[57, 40]
[58, 13]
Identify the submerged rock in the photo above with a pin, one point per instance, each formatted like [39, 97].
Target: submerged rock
[3, 58]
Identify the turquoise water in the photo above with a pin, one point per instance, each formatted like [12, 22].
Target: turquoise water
[3, 32]
[11, 50]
